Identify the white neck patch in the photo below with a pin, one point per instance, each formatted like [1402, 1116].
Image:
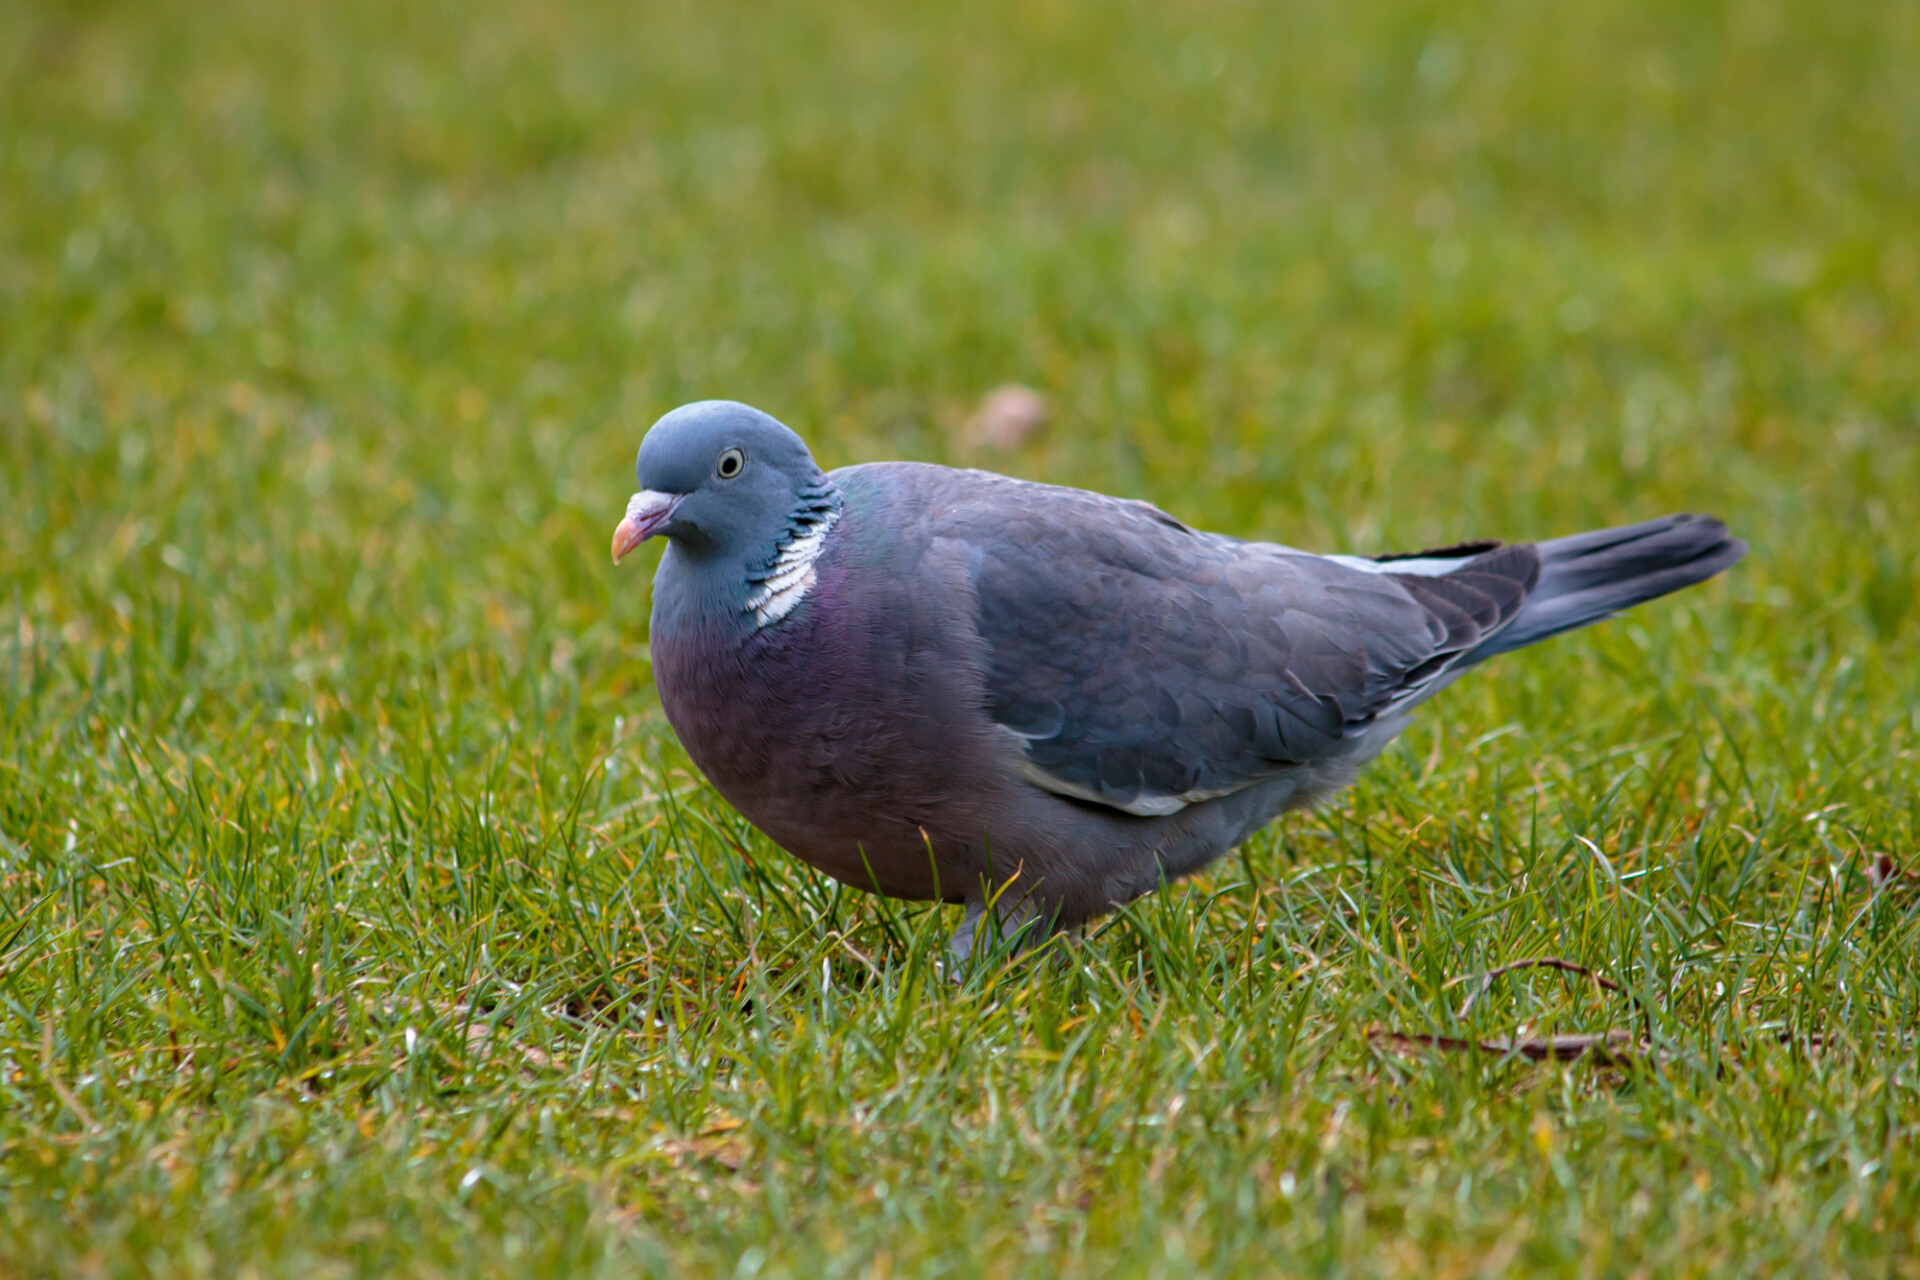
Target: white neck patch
[791, 575]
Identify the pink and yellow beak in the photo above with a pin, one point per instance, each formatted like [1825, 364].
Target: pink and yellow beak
[647, 511]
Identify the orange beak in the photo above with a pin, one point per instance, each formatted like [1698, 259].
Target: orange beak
[646, 512]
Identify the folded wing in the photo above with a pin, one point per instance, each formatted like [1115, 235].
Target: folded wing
[1141, 665]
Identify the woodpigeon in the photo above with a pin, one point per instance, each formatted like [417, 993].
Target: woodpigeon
[951, 685]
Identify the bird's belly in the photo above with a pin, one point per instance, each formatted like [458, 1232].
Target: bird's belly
[830, 762]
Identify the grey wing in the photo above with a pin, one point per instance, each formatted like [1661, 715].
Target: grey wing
[1145, 666]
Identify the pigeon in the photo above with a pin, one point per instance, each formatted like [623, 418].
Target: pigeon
[1042, 702]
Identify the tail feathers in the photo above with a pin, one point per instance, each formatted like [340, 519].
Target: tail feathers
[1591, 576]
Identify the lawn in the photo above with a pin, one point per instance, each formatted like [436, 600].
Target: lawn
[360, 915]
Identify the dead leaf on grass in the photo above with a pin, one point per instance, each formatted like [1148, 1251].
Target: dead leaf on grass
[1006, 417]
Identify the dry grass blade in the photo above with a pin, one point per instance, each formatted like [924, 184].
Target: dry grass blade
[67, 1096]
[1613, 1048]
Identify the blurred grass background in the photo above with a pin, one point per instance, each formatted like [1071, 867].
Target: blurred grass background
[359, 915]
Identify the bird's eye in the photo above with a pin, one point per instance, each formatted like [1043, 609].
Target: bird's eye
[730, 463]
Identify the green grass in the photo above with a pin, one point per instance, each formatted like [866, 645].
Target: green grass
[359, 914]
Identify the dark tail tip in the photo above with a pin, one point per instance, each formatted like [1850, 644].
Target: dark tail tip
[1591, 576]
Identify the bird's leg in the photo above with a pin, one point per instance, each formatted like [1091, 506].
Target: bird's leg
[960, 945]
[1012, 927]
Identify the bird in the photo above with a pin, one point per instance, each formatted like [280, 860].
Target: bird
[1039, 702]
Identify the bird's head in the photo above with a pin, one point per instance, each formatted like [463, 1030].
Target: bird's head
[716, 477]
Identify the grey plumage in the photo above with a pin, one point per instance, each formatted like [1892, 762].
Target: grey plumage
[974, 683]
